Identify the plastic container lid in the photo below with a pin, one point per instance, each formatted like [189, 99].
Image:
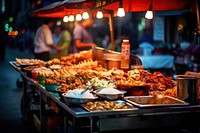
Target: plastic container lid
[125, 40]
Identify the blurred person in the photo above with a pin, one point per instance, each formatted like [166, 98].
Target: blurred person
[146, 37]
[184, 43]
[56, 36]
[106, 41]
[145, 43]
[99, 39]
[64, 43]
[83, 39]
[43, 41]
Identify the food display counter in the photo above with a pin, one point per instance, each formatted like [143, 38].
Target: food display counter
[77, 118]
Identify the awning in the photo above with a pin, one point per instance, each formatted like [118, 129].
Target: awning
[67, 7]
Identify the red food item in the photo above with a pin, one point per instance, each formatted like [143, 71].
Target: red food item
[34, 76]
[134, 90]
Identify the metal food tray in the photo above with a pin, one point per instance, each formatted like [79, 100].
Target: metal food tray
[16, 64]
[131, 107]
[154, 101]
[24, 65]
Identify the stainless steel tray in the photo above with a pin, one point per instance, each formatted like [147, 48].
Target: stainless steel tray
[23, 65]
[154, 101]
[119, 102]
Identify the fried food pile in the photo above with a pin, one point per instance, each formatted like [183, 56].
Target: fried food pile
[105, 105]
[72, 59]
[25, 61]
[80, 69]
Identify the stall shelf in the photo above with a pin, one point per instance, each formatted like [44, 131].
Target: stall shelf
[76, 117]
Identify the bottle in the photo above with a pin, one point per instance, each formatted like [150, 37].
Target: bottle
[125, 55]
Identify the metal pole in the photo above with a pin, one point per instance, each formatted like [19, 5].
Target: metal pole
[111, 25]
[197, 12]
[198, 21]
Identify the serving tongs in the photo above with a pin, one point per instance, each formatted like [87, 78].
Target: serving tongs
[110, 79]
[87, 87]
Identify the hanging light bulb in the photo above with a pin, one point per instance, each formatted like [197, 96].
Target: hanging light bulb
[85, 15]
[58, 23]
[65, 19]
[99, 14]
[120, 11]
[71, 18]
[78, 17]
[149, 13]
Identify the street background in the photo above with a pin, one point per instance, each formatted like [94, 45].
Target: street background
[10, 96]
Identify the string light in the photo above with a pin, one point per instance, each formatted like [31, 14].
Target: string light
[71, 18]
[78, 17]
[99, 15]
[65, 19]
[149, 13]
[120, 11]
[58, 23]
[85, 15]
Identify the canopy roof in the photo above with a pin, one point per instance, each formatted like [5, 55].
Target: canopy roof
[61, 8]
[67, 7]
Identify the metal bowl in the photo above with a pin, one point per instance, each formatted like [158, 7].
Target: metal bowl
[51, 87]
[60, 94]
[41, 80]
[111, 96]
[77, 101]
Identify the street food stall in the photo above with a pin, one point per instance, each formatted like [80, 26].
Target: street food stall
[113, 101]
[92, 93]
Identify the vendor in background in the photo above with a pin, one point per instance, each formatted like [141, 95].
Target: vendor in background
[43, 41]
[146, 43]
[106, 41]
[82, 38]
[64, 43]
[56, 35]
[146, 37]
